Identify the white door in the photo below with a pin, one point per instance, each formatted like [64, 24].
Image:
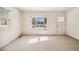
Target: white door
[60, 25]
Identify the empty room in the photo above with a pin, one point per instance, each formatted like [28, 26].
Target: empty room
[39, 29]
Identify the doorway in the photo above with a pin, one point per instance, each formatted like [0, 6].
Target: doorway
[60, 25]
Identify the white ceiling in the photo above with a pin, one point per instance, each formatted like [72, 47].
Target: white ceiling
[44, 8]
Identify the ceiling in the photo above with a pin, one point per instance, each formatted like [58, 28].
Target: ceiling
[44, 8]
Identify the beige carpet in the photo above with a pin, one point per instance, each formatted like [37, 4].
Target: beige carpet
[43, 43]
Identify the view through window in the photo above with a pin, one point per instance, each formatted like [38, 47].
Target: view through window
[39, 22]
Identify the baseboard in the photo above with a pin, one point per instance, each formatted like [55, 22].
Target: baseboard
[9, 41]
[42, 34]
[71, 37]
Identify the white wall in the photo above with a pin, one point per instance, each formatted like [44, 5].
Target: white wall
[14, 28]
[27, 22]
[72, 26]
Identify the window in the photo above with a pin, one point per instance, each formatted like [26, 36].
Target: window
[60, 19]
[39, 22]
[3, 18]
[3, 23]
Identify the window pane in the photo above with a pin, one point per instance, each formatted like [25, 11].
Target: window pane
[60, 19]
[33, 21]
[39, 21]
[45, 20]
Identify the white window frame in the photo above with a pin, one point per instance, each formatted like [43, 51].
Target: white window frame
[39, 25]
[60, 19]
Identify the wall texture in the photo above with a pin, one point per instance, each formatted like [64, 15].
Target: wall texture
[14, 28]
[72, 27]
[27, 22]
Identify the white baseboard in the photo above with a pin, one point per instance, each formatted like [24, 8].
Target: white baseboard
[42, 34]
[72, 37]
[8, 41]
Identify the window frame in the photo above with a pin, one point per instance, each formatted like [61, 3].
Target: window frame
[60, 19]
[40, 26]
